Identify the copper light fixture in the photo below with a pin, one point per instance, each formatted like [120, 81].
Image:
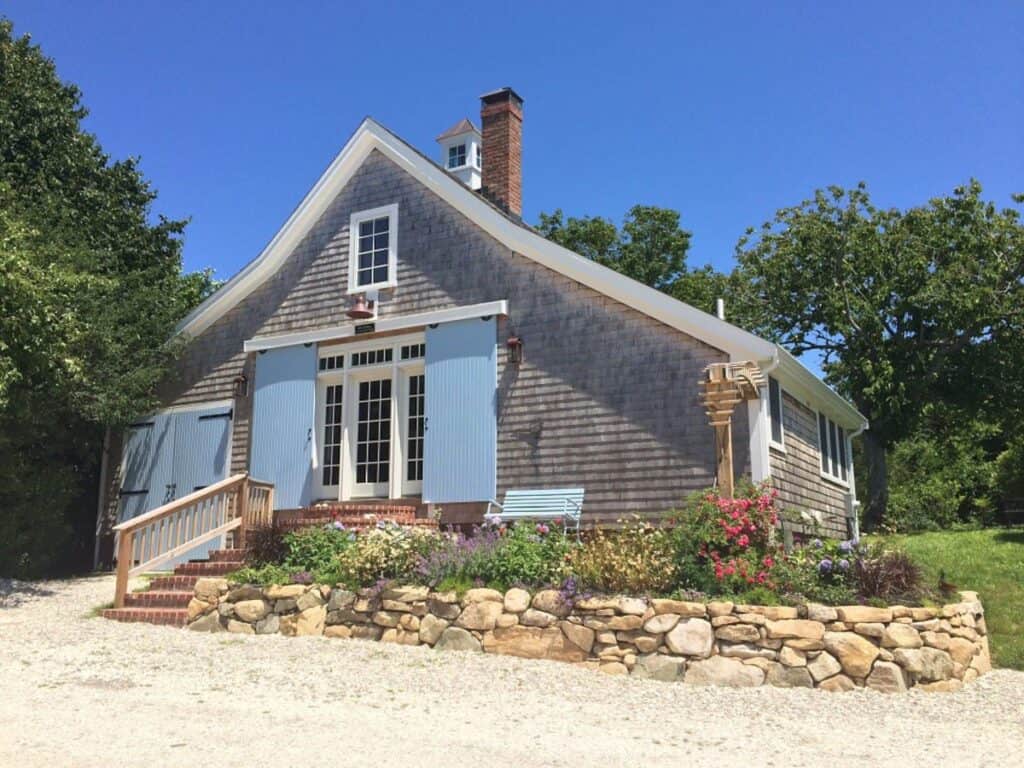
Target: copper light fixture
[361, 309]
[241, 385]
[515, 349]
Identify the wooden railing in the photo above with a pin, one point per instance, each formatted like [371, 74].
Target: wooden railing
[149, 541]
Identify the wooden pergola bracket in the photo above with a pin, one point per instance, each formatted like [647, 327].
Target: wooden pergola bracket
[723, 387]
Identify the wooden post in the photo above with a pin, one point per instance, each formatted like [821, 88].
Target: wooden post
[242, 500]
[125, 546]
[723, 447]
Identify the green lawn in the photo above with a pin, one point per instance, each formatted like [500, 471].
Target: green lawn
[990, 562]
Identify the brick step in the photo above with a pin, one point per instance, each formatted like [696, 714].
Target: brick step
[204, 568]
[173, 583]
[223, 556]
[158, 599]
[174, 617]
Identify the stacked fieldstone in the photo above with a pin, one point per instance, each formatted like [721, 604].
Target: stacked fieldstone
[718, 643]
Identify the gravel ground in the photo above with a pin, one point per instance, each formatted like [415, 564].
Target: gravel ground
[82, 691]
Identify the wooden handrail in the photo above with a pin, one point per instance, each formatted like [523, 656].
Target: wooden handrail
[170, 531]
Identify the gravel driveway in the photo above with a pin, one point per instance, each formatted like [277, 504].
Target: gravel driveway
[80, 691]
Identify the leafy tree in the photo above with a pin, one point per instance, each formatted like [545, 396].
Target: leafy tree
[90, 291]
[906, 307]
[650, 247]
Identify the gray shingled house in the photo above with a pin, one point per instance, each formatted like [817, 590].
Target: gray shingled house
[405, 336]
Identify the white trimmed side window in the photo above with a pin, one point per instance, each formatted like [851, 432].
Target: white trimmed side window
[778, 432]
[373, 251]
[832, 444]
[457, 156]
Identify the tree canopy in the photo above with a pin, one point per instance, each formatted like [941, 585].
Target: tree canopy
[907, 308]
[651, 247]
[91, 287]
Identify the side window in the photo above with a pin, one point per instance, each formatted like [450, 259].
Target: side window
[834, 454]
[775, 411]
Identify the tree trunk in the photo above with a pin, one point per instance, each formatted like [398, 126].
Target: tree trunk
[878, 480]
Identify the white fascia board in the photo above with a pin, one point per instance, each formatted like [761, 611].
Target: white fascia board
[739, 344]
[796, 379]
[398, 323]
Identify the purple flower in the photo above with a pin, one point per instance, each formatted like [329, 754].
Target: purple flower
[845, 546]
[825, 566]
[817, 544]
[338, 525]
[844, 564]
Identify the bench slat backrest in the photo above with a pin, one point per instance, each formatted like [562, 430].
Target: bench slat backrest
[547, 503]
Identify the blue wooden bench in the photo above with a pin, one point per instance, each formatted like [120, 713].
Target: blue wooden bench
[548, 504]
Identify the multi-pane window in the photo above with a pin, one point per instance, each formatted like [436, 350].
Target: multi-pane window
[414, 440]
[479, 156]
[332, 434]
[457, 156]
[413, 351]
[371, 357]
[373, 251]
[373, 431]
[832, 444]
[332, 363]
[775, 410]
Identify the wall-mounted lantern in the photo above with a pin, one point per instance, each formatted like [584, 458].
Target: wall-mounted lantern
[241, 385]
[515, 349]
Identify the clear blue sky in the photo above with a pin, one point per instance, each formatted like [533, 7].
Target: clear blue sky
[724, 114]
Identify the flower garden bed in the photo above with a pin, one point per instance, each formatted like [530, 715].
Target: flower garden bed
[716, 643]
[709, 596]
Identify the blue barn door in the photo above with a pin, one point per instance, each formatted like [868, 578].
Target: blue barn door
[283, 422]
[461, 433]
[202, 446]
[148, 466]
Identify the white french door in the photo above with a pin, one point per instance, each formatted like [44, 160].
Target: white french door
[371, 422]
[370, 419]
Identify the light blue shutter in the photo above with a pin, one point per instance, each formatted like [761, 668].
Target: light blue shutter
[460, 444]
[201, 447]
[147, 482]
[282, 423]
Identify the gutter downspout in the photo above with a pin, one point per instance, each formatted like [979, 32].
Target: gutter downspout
[760, 458]
[853, 504]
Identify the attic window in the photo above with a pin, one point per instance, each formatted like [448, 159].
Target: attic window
[373, 252]
[457, 156]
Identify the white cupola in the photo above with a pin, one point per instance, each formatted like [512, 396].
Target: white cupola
[462, 153]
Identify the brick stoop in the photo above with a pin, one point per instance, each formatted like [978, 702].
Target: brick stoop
[166, 599]
[355, 515]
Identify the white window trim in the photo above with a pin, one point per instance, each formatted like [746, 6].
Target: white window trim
[466, 149]
[828, 476]
[391, 211]
[781, 444]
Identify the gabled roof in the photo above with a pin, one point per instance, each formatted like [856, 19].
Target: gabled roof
[463, 126]
[371, 135]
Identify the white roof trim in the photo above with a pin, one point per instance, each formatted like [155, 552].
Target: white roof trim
[400, 323]
[738, 343]
[796, 379]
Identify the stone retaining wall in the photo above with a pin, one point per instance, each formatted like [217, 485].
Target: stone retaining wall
[718, 643]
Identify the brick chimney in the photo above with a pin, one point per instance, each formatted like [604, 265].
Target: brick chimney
[501, 117]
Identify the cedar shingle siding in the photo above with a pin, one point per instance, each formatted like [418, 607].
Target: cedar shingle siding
[796, 472]
[606, 397]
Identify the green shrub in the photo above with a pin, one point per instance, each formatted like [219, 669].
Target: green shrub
[315, 549]
[638, 559]
[263, 574]
[531, 554]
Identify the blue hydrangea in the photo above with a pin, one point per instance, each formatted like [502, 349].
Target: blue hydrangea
[844, 564]
[845, 546]
[817, 544]
[825, 566]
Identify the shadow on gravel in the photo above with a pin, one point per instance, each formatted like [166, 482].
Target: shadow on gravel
[13, 592]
